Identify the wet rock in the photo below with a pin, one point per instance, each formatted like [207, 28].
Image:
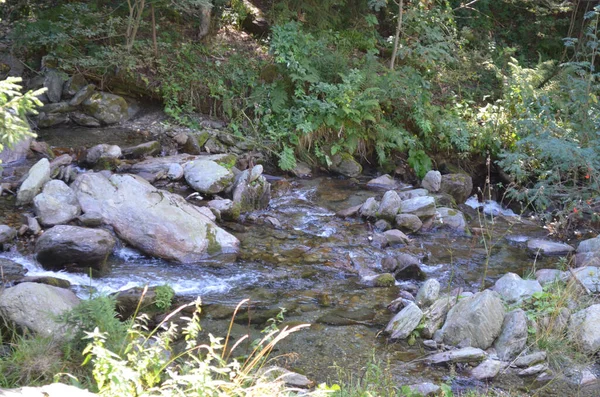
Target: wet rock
[155, 221]
[348, 212]
[345, 164]
[530, 359]
[388, 208]
[57, 204]
[369, 208]
[301, 170]
[488, 369]
[107, 108]
[584, 329]
[409, 222]
[451, 219]
[47, 120]
[476, 320]
[340, 317]
[35, 307]
[48, 280]
[38, 175]
[513, 289]
[53, 390]
[73, 85]
[82, 95]
[60, 107]
[74, 248]
[404, 266]
[513, 337]
[405, 322]
[423, 207]
[549, 276]
[33, 225]
[435, 315]
[546, 247]
[381, 226]
[10, 270]
[102, 151]
[384, 280]
[425, 389]
[7, 235]
[395, 236]
[428, 293]
[53, 82]
[84, 120]
[207, 176]
[175, 172]
[432, 181]
[534, 370]
[589, 276]
[464, 355]
[458, 186]
[251, 194]
[382, 182]
[413, 193]
[225, 207]
[142, 150]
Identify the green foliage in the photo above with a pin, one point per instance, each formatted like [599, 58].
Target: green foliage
[14, 108]
[164, 297]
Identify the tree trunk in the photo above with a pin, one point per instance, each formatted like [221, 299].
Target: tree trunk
[154, 42]
[397, 36]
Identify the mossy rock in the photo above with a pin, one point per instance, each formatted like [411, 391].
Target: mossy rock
[385, 280]
[107, 108]
[346, 165]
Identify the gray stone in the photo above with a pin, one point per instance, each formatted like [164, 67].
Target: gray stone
[458, 186]
[155, 221]
[38, 175]
[291, 379]
[33, 225]
[488, 369]
[476, 319]
[530, 359]
[428, 293]
[82, 95]
[584, 329]
[207, 177]
[381, 226]
[435, 315]
[423, 207]
[407, 267]
[388, 208]
[15, 154]
[413, 193]
[7, 234]
[155, 168]
[589, 276]
[142, 150]
[464, 355]
[249, 195]
[107, 108]
[451, 219]
[546, 247]
[59, 107]
[425, 389]
[74, 248]
[35, 307]
[73, 85]
[345, 164]
[395, 236]
[348, 212]
[47, 120]
[432, 181]
[225, 207]
[382, 182]
[369, 208]
[213, 145]
[536, 369]
[11, 270]
[91, 219]
[84, 120]
[175, 172]
[301, 170]
[405, 322]
[53, 390]
[57, 204]
[513, 338]
[409, 222]
[548, 276]
[513, 289]
[589, 245]
[53, 82]
[102, 151]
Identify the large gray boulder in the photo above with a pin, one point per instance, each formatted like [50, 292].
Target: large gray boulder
[405, 322]
[388, 208]
[458, 186]
[155, 221]
[423, 207]
[57, 204]
[346, 165]
[38, 175]
[35, 307]
[513, 338]
[208, 177]
[584, 329]
[513, 289]
[475, 321]
[107, 108]
[75, 248]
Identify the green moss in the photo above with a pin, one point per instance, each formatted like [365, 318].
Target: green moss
[214, 247]
[202, 137]
[228, 161]
[385, 280]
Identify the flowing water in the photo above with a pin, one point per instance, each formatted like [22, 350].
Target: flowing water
[310, 265]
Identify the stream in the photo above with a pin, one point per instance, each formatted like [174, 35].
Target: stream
[298, 255]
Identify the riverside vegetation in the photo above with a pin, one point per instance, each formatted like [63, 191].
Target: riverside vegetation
[503, 90]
